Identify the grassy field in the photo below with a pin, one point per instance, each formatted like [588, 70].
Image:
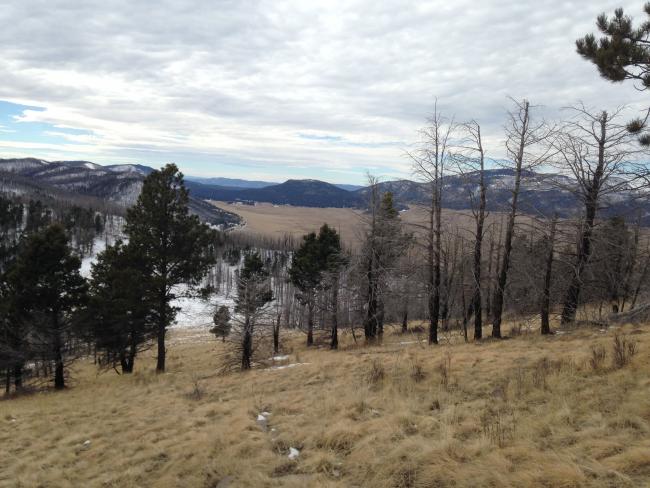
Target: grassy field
[279, 220]
[524, 412]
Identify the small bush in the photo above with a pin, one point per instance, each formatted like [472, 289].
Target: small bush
[417, 371]
[444, 368]
[540, 372]
[376, 374]
[623, 351]
[498, 425]
[598, 356]
[197, 391]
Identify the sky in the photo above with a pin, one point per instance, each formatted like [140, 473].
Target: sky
[273, 90]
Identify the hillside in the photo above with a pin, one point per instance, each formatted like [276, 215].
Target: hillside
[113, 185]
[528, 412]
[308, 193]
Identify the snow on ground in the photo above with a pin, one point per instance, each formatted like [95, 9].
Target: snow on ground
[194, 311]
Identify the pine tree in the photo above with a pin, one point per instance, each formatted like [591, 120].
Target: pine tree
[174, 244]
[253, 293]
[623, 53]
[119, 308]
[48, 289]
[305, 274]
[221, 320]
[385, 242]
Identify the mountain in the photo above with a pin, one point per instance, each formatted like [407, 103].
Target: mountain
[347, 187]
[237, 183]
[229, 182]
[117, 185]
[540, 194]
[308, 193]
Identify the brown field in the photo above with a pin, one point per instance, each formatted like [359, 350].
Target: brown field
[280, 220]
[524, 412]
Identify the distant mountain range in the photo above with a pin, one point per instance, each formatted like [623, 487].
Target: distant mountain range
[237, 183]
[541, 193]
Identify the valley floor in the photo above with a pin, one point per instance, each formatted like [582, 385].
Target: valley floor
[529, 411]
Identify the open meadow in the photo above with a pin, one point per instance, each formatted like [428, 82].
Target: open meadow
[265, 219]
[530, 411]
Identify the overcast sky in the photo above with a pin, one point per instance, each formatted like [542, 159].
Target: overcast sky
[279, 89]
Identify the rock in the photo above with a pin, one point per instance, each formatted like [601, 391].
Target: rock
[294, 453]
[225, 482]
[262, 422]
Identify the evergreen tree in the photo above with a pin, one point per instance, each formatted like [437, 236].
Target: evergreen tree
[173, 243]
[314, 268]
[221, 320]
[253, 293]
[119, 307]
[385, 243]
[623, 53]
[48, 289]
[305, 274]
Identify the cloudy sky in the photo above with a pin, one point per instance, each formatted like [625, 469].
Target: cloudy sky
[278, 89]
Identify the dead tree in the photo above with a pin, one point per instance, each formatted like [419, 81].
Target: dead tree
[523, 137]
[598, 151]
[548, 274]
[470, 160]
[429, 165]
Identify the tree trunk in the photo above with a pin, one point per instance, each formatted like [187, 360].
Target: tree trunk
[584, 252]
[310, 324]
[499, 292]
[160, 362]
[59, 378]
[478, 245]
[276, 335]
[546, 293]
[247, 346]
[405, 321]
[334, 344]
[162, 329]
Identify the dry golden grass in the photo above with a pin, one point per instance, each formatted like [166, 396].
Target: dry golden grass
[277, 221]
[270, 220]
[524, 412]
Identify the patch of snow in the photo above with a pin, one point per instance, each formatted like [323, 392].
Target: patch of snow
[280, 358]
[293, 453]
[285, 366]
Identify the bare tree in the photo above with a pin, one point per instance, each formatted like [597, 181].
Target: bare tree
[598, 151]
[523, 138]
[384, 242]
[470, 159]
[548, 274]
[429, 165]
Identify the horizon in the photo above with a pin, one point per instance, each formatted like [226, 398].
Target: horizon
[284, 91]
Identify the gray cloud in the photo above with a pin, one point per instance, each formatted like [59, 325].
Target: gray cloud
[245, 81]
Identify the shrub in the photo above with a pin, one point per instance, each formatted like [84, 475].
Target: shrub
[376, 374]
[598, 356]
[623, 351]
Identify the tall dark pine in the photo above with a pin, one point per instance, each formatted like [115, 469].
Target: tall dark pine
[623, 53]
[175, 245]
[331, 261]
[305, 274]
[48, 288]
[315, 268]
[119, 308]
